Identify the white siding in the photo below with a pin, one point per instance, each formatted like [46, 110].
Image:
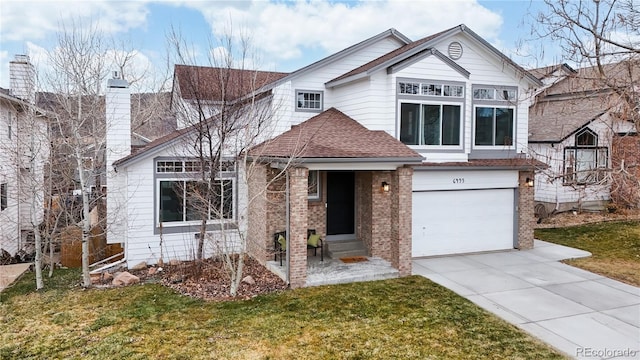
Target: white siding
[549, 185]
[142, 244]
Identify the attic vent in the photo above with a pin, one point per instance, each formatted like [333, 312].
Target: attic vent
[455, 50]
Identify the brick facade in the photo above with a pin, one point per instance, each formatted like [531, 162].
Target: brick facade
[403, 223]
[526, 217]
[298, 225]
[625, 175]
[383, 219]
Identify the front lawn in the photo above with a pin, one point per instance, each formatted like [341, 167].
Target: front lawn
[615, 247]
[408, 318]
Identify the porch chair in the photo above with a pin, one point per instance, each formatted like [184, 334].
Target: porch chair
[314, 241]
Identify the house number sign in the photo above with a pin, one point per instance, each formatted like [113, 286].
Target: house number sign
[458, 180]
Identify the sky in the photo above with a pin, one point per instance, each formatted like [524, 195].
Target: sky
[286, 35]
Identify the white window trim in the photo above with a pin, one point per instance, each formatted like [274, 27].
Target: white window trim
[194, 222]
[494, 147]
[432, 102]
[302, 109]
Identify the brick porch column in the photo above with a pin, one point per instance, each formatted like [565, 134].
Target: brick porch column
[258, 238]
[298, 190]
[526, 217]
[404, 178]
[381, 215]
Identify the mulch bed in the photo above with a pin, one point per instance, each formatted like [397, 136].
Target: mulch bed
[207, 279]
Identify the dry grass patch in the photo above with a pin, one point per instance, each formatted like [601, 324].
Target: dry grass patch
[408, 318]
[615, 248]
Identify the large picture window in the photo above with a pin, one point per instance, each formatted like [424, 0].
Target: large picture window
[186, 200]
[430, 124]
[586, 162]
[494, 126]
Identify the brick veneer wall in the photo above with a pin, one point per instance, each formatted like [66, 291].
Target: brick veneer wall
[403, 218]
[363, 208]
[625, 163]
[526, 217]
[257, 224]
[381, 215]
[298, 224]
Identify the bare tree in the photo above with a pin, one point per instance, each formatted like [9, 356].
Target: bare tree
[80, 64]
[602, 39]
[229, 108]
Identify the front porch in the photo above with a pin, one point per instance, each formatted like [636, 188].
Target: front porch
[335, 271]
[332, 175]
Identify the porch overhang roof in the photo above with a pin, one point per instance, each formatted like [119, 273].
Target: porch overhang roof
[363, 164]
[333, 137]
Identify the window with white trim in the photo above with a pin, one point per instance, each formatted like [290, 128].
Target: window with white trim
[586, 162]
[309, 100]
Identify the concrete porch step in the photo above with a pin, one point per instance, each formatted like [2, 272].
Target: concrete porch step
[345, 248]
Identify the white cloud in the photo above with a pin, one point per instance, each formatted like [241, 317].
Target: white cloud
[284, 30]
[37, 19]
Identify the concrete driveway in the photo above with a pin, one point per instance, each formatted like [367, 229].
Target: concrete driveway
[580, 313]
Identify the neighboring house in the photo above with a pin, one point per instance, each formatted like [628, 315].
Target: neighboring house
[23, 152]
[577, 127]
[414, 148]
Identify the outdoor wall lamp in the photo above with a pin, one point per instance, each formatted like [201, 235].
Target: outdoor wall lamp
[529, 182]
[385, 186]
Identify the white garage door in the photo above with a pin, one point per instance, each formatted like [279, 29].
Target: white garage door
[462, 221]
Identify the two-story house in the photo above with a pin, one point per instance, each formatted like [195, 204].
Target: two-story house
[23, 152]
[414, 148]
[580, 128]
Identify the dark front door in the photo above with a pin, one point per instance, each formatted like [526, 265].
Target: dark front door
[340, 203]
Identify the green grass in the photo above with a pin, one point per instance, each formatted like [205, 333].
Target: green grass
[615, 247]
[408, 318]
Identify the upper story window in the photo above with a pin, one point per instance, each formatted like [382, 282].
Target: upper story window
[431, 113]
[485, 93]
[430, 124]
[586, 162]
[494, 116]
[309, 100]
[431, 89]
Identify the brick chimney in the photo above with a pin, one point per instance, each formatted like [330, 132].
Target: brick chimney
[22, 78]
[118, 145]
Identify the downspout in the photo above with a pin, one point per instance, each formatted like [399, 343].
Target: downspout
[18, 177]
[287, 227]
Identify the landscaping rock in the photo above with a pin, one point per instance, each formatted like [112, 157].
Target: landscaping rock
[101, 278]
[125, 279]
[249, 280]
[174, 262]
[139, 266]
[152, 270]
